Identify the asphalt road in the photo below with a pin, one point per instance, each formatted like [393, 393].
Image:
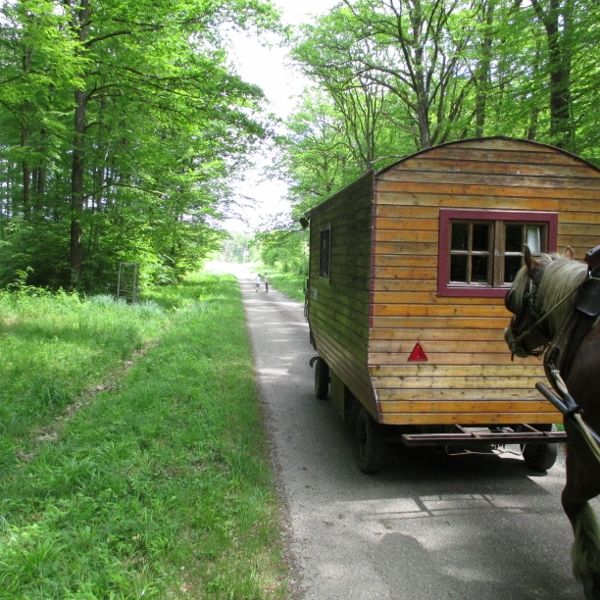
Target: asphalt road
[429, 527]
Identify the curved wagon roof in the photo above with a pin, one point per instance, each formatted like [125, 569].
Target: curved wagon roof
[479, 157]
[470, 142]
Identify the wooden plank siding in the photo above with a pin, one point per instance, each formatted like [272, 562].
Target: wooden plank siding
[382, 294]
[469, 377]
[338, 307]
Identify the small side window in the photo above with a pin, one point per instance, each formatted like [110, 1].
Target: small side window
[325, 252]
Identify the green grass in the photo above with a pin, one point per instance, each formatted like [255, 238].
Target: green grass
[160, 488]
[51, 348]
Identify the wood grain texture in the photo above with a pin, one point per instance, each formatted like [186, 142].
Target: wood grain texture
[338, 306]
[382, 298]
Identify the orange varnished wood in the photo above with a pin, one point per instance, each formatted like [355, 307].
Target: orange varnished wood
[385, 298]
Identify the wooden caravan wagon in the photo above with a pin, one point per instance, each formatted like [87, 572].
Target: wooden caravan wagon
[409, 267]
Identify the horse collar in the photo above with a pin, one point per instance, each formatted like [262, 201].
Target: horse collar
[563, 347]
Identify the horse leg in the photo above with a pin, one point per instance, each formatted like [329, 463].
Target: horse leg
[586, 547]
[586, 552]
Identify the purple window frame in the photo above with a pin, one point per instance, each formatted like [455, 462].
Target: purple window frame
[444, 288]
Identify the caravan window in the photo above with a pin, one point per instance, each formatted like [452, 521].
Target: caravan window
[480, 252]
[325, 252]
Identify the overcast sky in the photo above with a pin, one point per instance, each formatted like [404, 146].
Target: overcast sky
[270, 67]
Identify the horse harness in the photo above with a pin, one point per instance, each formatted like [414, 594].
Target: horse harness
[558, 357]
[561, 351]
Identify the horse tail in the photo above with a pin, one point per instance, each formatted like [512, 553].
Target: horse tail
[586, 550]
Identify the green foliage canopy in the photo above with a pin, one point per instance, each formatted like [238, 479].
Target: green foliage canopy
[398, 76]
[121, 122]
[392, 77]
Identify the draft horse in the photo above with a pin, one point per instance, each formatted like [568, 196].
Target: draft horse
[545, 300]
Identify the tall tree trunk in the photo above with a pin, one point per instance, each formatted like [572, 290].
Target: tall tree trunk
[25, 166]
[80, 22]
[419, 77]
[482, 75]
[556, 14]
[39, 176]
[531, 133]
[40, 184]
[26, 173]
[77, 190]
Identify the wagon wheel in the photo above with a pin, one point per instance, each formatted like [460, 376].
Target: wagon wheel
[540, 457]
[369, 443]
[321, 379]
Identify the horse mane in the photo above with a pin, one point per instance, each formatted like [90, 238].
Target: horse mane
[519, 285]
[561, 277]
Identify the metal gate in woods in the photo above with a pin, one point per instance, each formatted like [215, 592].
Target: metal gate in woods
[127, 284]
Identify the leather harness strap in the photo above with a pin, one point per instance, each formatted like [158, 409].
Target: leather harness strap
[562, 349]
[559, 356]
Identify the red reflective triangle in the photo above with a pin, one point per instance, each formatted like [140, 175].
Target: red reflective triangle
[417, 354]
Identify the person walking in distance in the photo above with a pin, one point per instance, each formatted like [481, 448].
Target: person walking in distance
[266, 285]
[258, 280]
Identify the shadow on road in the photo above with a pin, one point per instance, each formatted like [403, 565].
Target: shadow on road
[427, 527]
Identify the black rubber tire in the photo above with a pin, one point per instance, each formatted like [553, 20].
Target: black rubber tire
[369, 443]
[540, 457]
[321, 379]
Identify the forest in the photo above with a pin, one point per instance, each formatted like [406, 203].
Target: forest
[392, 77]
[123, 122]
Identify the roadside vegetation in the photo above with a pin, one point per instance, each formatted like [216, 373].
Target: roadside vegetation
[133, 463]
